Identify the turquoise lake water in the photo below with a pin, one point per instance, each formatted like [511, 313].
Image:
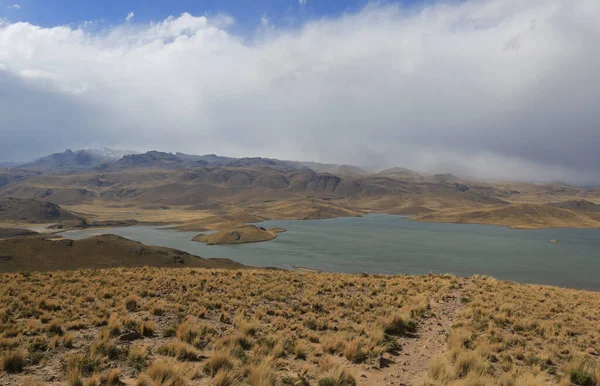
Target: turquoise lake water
[379, 243]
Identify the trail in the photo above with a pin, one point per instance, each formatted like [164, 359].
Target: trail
[410, 366]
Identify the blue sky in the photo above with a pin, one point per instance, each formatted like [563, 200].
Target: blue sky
[247, 13]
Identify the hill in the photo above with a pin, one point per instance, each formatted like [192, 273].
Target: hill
[15, 232]
[239, 235]
[577, 205]
[526, 216]
[156, 326]
[105, 251]
[33, 211]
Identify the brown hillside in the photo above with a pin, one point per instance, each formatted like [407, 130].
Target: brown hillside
[32, 211]
[519, 216]
[15, 232]
[240, 235]
[105, 251]
[579, 205]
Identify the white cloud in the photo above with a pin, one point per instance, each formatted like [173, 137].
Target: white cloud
[129, 16]
[489, 88]
[302, 2]
[13, 6]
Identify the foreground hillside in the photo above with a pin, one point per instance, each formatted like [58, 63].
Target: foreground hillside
[157, 326]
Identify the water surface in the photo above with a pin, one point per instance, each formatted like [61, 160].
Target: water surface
[379, 243]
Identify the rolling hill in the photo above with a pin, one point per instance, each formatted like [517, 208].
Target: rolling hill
[524, 216]
[33, 211]
[104, 251]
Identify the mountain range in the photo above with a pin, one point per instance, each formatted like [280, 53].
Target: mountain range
[89, 181]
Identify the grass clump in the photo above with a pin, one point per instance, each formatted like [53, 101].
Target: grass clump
[13, 361]
[180, 351]
[217, 362]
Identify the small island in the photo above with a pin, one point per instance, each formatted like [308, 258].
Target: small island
[239, 235]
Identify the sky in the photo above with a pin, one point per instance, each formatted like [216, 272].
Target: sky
[492, 89]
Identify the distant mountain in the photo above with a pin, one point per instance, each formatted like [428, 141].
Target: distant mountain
[163, 160]
[73, 161]
[338, 170]
[151, 159]
[401, 173]
[6, 165]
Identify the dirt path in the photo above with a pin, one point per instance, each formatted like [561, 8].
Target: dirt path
[410, 366]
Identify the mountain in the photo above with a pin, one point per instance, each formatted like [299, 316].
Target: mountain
[338, 170]
[162, 160]
[7, 165]
[401, 173]
[73, 161]
[151, 159]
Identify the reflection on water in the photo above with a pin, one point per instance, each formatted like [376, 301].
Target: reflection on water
[379, 243]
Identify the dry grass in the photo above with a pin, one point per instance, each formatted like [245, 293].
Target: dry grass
[260, 327]
[510, 334]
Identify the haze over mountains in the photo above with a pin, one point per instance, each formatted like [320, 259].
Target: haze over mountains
[263, 188]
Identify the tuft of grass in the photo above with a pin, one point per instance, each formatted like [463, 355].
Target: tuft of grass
[132, 302]
[337, 376]
[353, 351]
[193, 333]
[138, 356]
[399, 324]
[55, 327]
[218, 361]
[67, 340]
[226, 377]
[263, 373]
[179, 350]
[13, 361]
[163, 373]
[148, 328]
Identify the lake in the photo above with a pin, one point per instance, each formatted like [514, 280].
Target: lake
[388, 244]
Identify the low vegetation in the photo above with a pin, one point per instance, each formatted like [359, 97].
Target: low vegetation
[157, 326]
[510, 334]
[178, 326]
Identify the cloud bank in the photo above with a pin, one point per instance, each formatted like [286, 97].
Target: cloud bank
[491, 89]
